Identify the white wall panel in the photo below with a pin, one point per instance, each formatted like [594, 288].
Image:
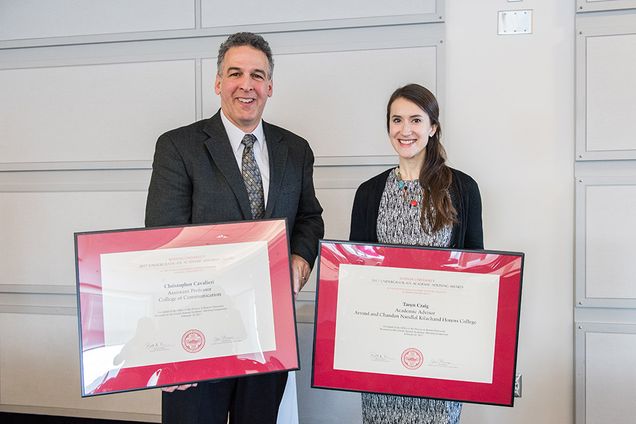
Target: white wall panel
[210, 101]
[37, 230]
[337, 203]
[337, 99]
[92, 112]
[39, 364]
[215, 13]
[598, 5]
[609, 375]
[54, 18]
[611, 66]
[604, 241]
[609, 241]
[604, 91]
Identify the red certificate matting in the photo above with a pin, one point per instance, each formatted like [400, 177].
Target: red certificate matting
[415, 321]
[174, 305]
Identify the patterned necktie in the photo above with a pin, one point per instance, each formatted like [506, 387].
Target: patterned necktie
[252, 177]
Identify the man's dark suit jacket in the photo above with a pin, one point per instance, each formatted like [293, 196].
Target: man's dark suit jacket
[196, 180]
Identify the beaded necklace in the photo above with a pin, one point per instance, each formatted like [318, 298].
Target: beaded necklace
[402, 187]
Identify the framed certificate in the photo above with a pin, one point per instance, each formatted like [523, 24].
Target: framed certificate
[414, 321]
[175, 305]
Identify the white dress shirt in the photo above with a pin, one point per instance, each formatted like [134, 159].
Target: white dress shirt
[261, 155]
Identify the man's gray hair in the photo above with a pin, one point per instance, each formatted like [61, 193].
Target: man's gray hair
[245, 39]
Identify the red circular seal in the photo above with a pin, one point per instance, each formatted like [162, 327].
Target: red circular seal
[412, 358]
[193, 341]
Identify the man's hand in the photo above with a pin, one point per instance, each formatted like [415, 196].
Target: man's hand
[171, 389]
[300, 272]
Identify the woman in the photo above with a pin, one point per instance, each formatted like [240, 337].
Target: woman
[421, 202]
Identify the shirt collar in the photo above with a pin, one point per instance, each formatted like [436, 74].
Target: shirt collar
[235, 134]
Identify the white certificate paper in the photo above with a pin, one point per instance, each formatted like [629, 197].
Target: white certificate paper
[433, 324]
[179, 304]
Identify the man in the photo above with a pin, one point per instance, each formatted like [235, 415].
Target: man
[232, 167]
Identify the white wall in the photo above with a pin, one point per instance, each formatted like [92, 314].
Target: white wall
[509, 123]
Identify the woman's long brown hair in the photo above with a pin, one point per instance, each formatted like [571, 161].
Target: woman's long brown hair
[435, 177]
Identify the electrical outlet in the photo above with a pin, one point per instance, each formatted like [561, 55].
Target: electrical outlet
[517, 391]
[514, 22]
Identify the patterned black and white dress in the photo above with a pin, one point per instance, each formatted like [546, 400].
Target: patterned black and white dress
[399, 223]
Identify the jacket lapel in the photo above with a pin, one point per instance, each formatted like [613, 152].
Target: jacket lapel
[221, 152]
[277, 151]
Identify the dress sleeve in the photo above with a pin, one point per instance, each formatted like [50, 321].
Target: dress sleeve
[362, 227]
[474, 229]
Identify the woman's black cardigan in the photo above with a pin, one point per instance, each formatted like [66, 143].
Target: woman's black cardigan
[467, 231]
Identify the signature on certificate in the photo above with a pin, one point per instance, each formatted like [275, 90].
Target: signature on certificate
[380, 357]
